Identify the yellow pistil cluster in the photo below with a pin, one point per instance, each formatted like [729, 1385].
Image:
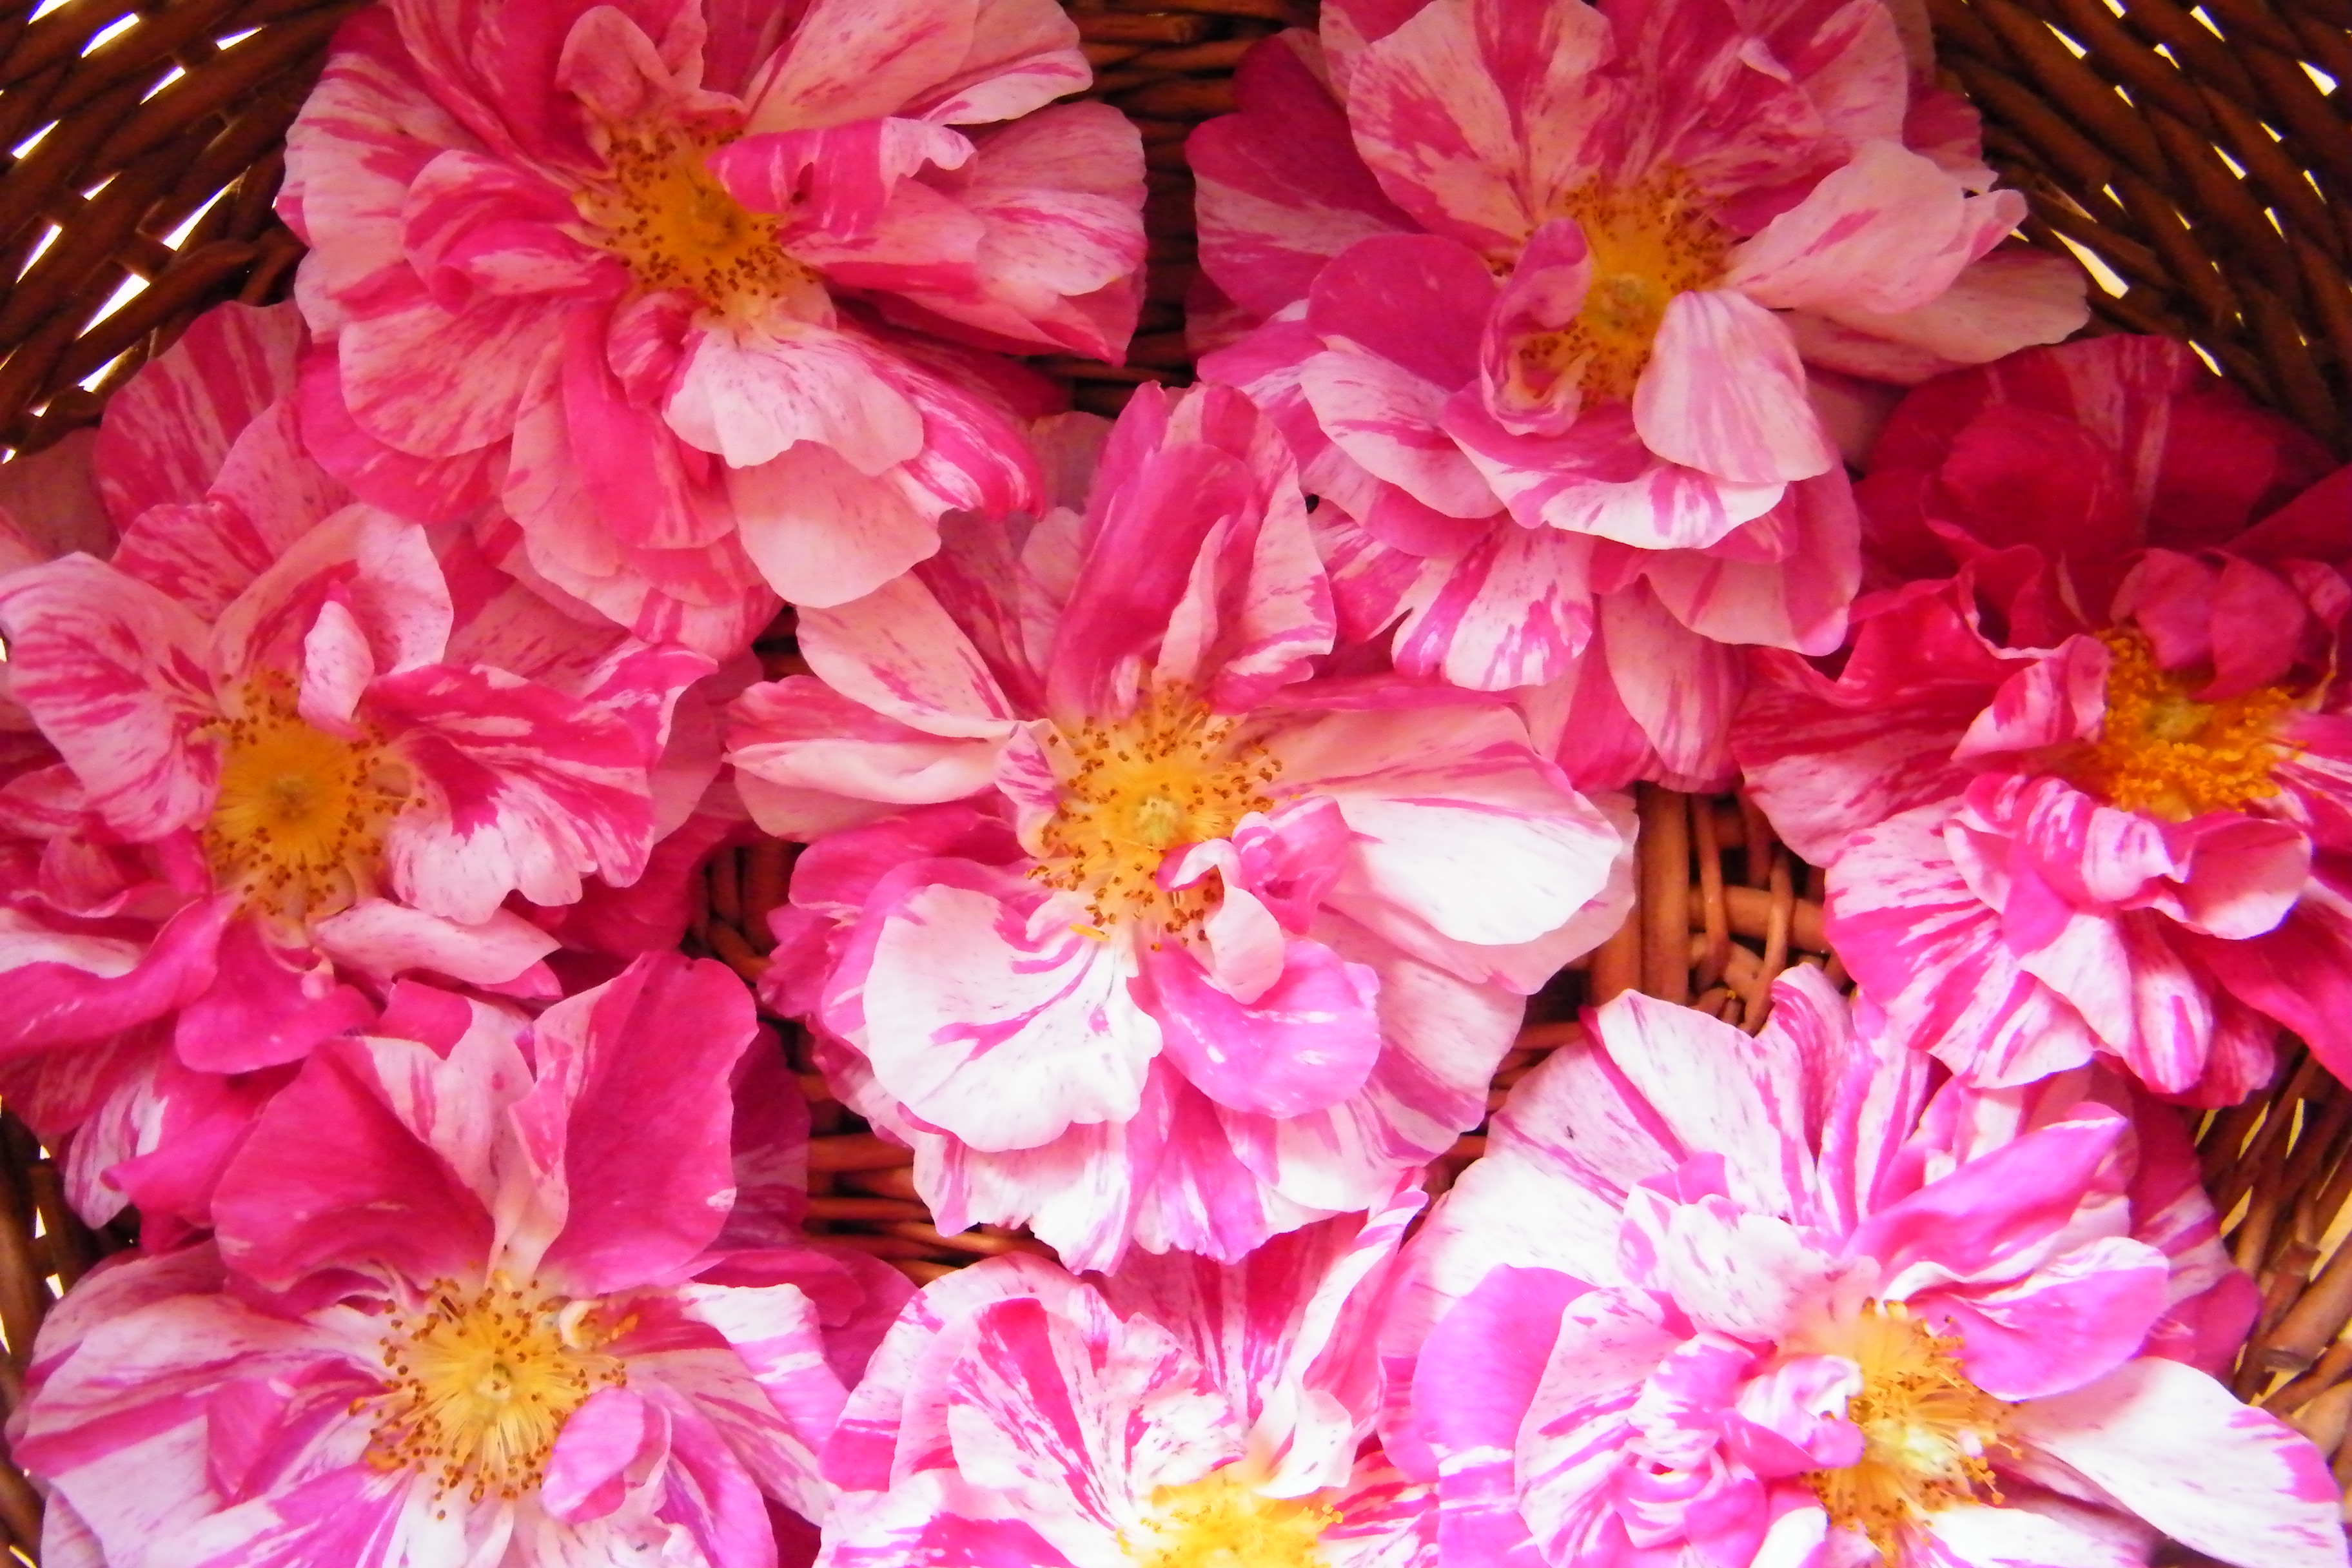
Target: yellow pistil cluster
[661, 211]
[1219, 1523]
[297, 826]
[1649, 241]
[1925, 1429]
[479, 1386]
[1169, 775]
[2162, 751]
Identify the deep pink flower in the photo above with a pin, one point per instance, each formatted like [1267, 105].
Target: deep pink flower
[1175, 1414]
[285, 751]
[1767, 1304]
[1540, 286]
[1139, 932]
[2049, 469]
[2094, 794]
[659, 279]
[469, 1302]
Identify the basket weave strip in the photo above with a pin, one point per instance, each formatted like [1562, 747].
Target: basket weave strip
[2202, 154]
[149, 149]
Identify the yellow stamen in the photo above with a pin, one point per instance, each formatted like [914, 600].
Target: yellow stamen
[480, 1386]
[2162, 751]
[661, 211]
[1649, 242]
[1171, 774]
[1219, 1523]
[297, 826]
[1925, 1431]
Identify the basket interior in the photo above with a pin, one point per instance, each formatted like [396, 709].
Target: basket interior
[2195, 159]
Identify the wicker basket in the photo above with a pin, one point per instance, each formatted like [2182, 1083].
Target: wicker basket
[2198, 161]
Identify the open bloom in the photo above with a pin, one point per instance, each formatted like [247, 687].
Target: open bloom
[286, 753]
[465, 1306]
[1177, 1413]
[1539, 284]
[1768, 1303]
[2094, 795]
[1138, 931]
[662, 279]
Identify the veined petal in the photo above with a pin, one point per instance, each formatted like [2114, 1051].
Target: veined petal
[632, 1089]
[821, 533]
[1599, 478]
[1419, 789]
[2172, 1446]
[1305, 1042]
[1391, 422]
[2067, 1323]
[1513, 610]
[114, 673]
[1281, 190]
[846, 172]
[798, 734]
[1081, 1417]
[169, 428]
[1930, 952]
[898, 651]
[748, 400]
[384, 938]
[387, 1196]
[847, 62]
[976, 979]
[437, 384]
[1023, 55]
[2000, 304]
[1437, 129]
[1724, 393]
[1887, 233]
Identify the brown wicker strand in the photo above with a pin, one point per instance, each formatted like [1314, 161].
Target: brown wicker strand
[2155, 139]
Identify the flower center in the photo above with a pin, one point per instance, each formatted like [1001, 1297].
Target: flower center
[661, 211]
[1926, 1431]
[480, 1386]
[1134, 788]
[1218, 1522]
[2162, 751]
[297, 826]
[1649, 242]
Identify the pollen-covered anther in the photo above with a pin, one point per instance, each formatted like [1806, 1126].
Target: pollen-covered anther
[298, 825]
[661, 210]
[1170, 774]
[2161, 750]
[1648, 242]
[1219, 1521]
[479, 1385]
[1926, 1432]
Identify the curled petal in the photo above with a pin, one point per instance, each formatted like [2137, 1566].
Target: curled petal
[1724, 393]
[2172, 1446]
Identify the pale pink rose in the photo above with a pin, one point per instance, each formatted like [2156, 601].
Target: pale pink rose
[672, 282]
[1137, 930]
[2094, 795]
[470, 1301]
[1770, 1304]
[282, 749]
[1176, 1411]
[1543, 293]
